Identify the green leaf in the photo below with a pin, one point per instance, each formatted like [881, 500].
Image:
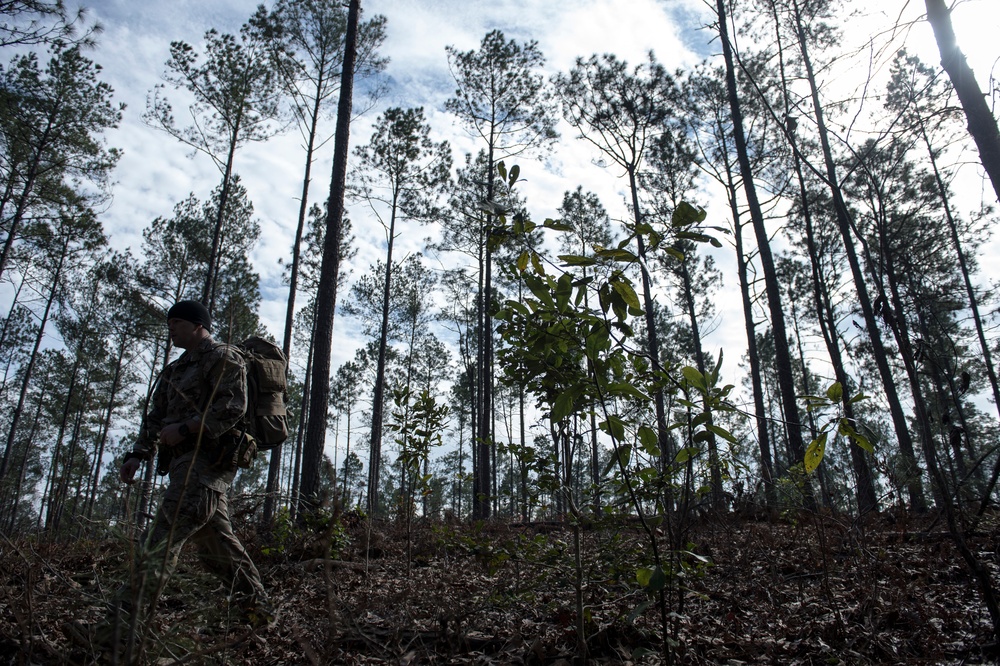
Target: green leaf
[625, 388]
[845, 428]
[617, 255]
[694, 377]
[696, 237]
[652, 579]
[644, 575]
[649, 441]
[536, 263]
[863, 442]
[676, 254]
[596, 342]
[520, 307]
[522, 261]
[515, 171]
[564, 289]
[502, 170]
[563, 406]
[615, 427]
[557, 225]
[686, 214]
[636, 612]
[836, 392]
[702, 436]
[721, 432]
[625, 290]
[814, 454]
[622, 455]
[686, 454]
[576, 260]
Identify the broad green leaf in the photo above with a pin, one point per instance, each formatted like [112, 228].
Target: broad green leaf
[647, 474]
[515, 171]
[685, 214]
[722, 432]
[502, 170]
[636, 612]
[863, 442]
[617, 255]
[520, 307]
[597, 341]
[836, 392]
[522, 261]
[694, 377]
[686, 454]
[644, 575]
[627, 293]
[615, 427]
[814, 454]
[536, 263]
[576, 260]
[563, 406]
[702, 436]
[695, 236]
[847, 430]
[557, 225]
[627, 389]
[564, 289]
[622, 455]
[648, 439]
[652, 579]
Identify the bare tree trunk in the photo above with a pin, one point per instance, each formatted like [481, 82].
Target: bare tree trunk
[865, 488]
[326, 297]
[378, 398]
[786, 383]
[106, 425]
[274, 465]
[914, 485]
[14, 500]
[26, 380]
[714, 465]
[982, 124]
[760, 411]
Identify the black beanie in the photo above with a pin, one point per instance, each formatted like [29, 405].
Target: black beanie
[191, 311]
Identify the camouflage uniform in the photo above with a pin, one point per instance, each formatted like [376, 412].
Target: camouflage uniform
[209, 381]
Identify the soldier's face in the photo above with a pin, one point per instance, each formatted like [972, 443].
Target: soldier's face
[183, 333]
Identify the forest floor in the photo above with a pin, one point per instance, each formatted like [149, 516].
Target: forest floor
[816, 590]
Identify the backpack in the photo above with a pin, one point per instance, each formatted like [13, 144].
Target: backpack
[266, 418]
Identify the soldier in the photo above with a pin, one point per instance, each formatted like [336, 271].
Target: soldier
[198, 400]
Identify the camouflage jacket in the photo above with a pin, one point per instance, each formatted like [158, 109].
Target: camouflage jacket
[208, 381]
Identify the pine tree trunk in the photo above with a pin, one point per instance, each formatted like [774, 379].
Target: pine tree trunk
[378, 398]
[26, 380]
[326, 297]
[982, 124]
[783, 361]
[914, 486]
[274, 464]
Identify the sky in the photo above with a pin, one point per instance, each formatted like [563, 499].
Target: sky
[156, 172]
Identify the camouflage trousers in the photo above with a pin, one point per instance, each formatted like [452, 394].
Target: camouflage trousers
[193, 512]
